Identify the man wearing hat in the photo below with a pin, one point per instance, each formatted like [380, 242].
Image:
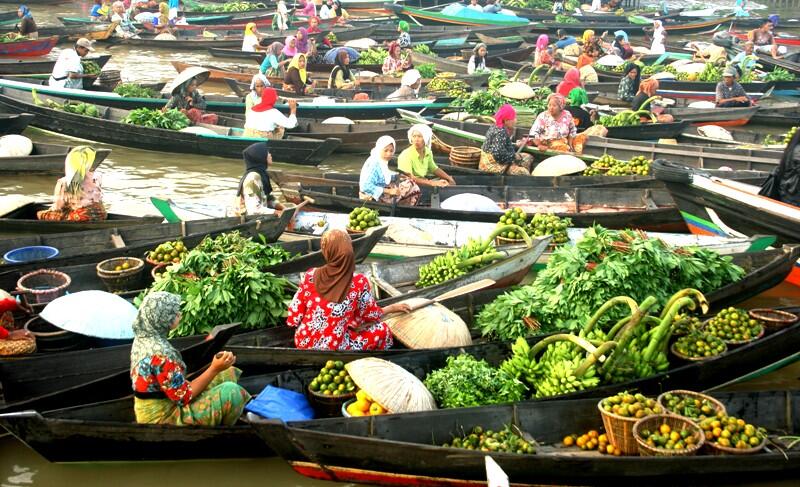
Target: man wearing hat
[68, 70]
[729, 92]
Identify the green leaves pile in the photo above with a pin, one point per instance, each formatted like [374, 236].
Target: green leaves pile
[90, 67]
[132, 90]
[229, 7]
[225, 280]
[172, 119]
[427, 70]
[603, 264]
[466, 382]
[779, 74]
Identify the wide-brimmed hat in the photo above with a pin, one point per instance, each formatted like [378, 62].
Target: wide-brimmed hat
[201, 74]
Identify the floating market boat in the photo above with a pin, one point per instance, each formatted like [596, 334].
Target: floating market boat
[43, 159]
[109, 127]
[13, 123]
[196, 20]
[724, 117]
[648, 131]
[28, 48]
[406, 449]
[26, 66]
[22, 220]
[92, 246]
[673, 27]
[780, 39]
[456, 14]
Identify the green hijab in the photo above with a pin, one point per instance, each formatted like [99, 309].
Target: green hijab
[577, 97]
[151, 327]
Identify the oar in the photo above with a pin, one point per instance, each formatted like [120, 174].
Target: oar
[459, 291]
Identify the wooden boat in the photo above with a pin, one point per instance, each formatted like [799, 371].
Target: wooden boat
[724, 117]
[93, 31]
[96, 245]
[471, 134]
[13, 123]
[44, 159]
[442, 64]
[405, 450]
[782, 111]
[23, 221]
[674, 27]
[648, 131]
[741, 138]
[25, 66]
[28, 48]
[109, 128]
[469, 18]
[196, 20]
[781, 40]
[698, 90]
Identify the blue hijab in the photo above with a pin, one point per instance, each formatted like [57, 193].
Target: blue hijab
[26, 12]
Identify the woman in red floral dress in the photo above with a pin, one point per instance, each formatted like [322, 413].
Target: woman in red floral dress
[333, 308]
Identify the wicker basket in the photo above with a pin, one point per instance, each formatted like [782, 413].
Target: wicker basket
[772, 319]
[674, 422]
[355, 232]
[156, 271]
[681, 356]
[465, 156]
[44, 285]
[121, 280]
[10, 348]
[619, 431]
[440, 147]
[718, 406]
[328, 406]
[508, 241]
[728, 450]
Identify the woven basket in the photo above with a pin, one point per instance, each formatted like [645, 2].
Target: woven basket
[328, 406]
[156, 271]
[619, 431]
[732, 343]
[440, 147]
[674, 422]
[772, 319]
[727, 450]
[355, 232]
[718, 406]
[681, 356]
[122, 280]
[465, 156]
[10, 348]
[507, 241]
[43, 286]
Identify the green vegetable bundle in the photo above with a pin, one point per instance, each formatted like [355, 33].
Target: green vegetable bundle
[628, 117]
[172, 119]
[223, 280]
[132, 90]
[68, 106]
[604, 263]
[566, 19]
[779, 74]
[229, 7]
[372, 56]
[427, 70]
[466, 382]
[711, 74]
[90, 67]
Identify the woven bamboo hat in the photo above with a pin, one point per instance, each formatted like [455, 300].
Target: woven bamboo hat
[560, 165]
[433, 326]
[390, 385]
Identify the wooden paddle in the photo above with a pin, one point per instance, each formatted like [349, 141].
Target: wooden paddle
[459, 291]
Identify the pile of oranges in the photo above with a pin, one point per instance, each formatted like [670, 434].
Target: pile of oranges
[365, 406]
[592, 440]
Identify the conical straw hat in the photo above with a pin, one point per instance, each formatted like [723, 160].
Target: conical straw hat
[390, 385]
[433, 326]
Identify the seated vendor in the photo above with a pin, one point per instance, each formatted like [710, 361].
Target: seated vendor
[416, 161]
[77, 195]
[379, 183]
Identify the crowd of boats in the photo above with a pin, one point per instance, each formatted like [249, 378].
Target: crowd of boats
[463, 115]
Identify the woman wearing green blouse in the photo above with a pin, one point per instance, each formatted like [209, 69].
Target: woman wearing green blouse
[417, 160]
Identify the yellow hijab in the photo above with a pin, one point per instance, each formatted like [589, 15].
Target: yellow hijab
[163, 9]
[249, 29]
[296, 64]
[587, 35]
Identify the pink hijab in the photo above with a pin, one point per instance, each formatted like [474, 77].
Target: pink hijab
[288, 50]
[572, 79]
[542, 42]
[506, 112]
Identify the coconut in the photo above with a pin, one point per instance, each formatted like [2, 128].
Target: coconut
[198, 130]
[559, 165]
[701, 104]
[517, 90]
[714, 132]
[611, 60]
[338, 121]
[15, 146]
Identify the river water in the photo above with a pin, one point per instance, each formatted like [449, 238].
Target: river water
[129, 177]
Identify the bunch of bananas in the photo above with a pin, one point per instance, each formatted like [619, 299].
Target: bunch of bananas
[711, 73]
[603, 67]
[454, 263]
[446, 83]
[789, 135]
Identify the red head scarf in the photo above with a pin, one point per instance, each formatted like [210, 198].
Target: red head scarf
[268, 98]
[332, 280]
[394, 46]
[572, 79]
[506, 112]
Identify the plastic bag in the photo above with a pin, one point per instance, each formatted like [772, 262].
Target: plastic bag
[283, 404]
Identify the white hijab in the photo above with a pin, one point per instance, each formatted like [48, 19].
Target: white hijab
[264, 80]
[377, 153]
[410, 77]
[424, 130]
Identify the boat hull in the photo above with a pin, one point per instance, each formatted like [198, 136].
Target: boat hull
[37, 47]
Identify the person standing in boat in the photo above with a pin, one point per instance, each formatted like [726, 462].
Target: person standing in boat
[263, 120]
[378, 183]
[499, 153]
[621, 45]
[68, 70]
[410, 84]
[188, 99]
[252, 38]
[403, 37]
[729, 92]
[333, 308]
[416, 161]
[659, 38]
[77, 196]
[27, 26]
[341, 77]
[254, 196]
[162, 392]
[477, 62]
[281, 19]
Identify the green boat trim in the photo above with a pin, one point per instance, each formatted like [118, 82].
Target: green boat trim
[439, 17]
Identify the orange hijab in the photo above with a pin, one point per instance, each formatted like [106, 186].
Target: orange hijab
[332, 280]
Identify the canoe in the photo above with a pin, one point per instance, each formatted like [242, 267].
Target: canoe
[779, 39]
[471, 134]
[674, 27]
[117, 383]
[404, 450]
[698, 90]
[741, 138]
[94, 31]
[623, 208]
[648, 131]
[14, 123]
[92, 246]
[28, 48]
[109, 128]
[24, 66]
[44, 159]
[197, 20]
[724, 117]
[465, 17]
[23, 221]
[782, 112]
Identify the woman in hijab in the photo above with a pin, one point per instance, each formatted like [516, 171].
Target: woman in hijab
[554, 128]
[289, 50]
[621, 45]
[659, 36]
[188, 99]
[272, 65]
[27, 26]
[647, 89]
[416, 161]
[251, 39]
[313, 26]
[281, 18]
[77, 196]
[394, 62]
[308, 8]
[404, 39]
[263, 120]
[297, 78]
[592, 45]
[541, 55]
[334, 309]
[409, 86]
[477, 62]
[257, 85]
[302, 40]
[572, 79]
[341, 78]
[575, 101]
[629, 84]
[499, 153]
[162, 392]
[161, 22]
[378, 183]
[254, 193]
